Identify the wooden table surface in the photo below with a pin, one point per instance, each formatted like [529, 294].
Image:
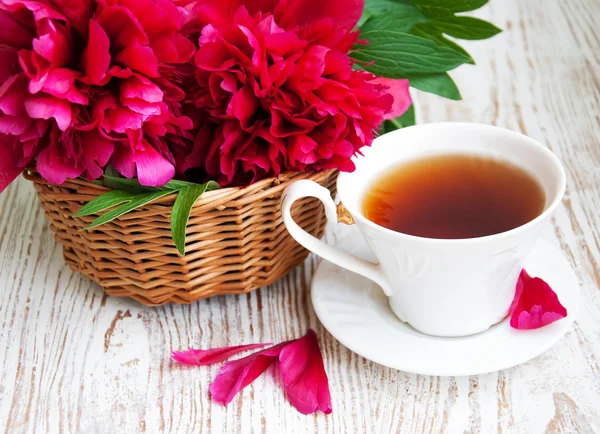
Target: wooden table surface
[73, 360]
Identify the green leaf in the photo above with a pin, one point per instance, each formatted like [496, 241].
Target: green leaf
[136, 202]
[180, 216]
[402, 18]
[131, 185]
[104, 202]
[448, 7]
[429, 31]
[408, 119]
[439, 84]
[400, 55]
[364, 17]
[466, 27]
[176, 185]
[384, 5]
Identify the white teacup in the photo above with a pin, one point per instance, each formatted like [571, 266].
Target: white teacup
[440, 287]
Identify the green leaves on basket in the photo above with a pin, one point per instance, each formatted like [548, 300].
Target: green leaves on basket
[186, 198]
[134, 201]
[405, 39]
[128, 195]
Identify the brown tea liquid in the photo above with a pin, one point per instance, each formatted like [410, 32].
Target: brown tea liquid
[453, 197]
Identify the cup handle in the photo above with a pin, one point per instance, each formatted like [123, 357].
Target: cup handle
[306, 188]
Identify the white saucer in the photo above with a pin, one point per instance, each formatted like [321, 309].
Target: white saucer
[356, 312]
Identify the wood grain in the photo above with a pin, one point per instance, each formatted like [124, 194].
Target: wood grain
[73, 360]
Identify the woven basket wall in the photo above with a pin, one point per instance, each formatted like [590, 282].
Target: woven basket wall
[236, 240]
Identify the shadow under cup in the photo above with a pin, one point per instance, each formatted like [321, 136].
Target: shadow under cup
[451, 287]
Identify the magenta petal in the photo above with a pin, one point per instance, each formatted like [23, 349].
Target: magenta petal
[96, 57]
[304, 375]
[535, 304]
[124, 162]
[139, 86]
[53, 169]
[12, 95]
[13, 33]
[153, 169]
[9, 158]
[46, 107]
[208, 357]
[139, 58]
[97, 150]
[237, 374]
[344, 13]
[9, 63]
[399, 90]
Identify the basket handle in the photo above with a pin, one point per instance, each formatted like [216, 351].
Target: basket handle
[306, 188]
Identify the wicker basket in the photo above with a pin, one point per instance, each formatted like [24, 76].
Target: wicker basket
[236, 240]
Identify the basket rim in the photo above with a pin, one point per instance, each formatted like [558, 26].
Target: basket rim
[91, 189]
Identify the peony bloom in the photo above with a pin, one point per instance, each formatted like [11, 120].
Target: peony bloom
[88, 82]
[276, 90]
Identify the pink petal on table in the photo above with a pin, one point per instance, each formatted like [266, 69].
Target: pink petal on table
[398, 89]
[237, 374]
[194, 357]
[304, 375]
[536, 304]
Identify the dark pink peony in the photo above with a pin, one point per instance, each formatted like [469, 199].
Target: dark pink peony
[276, 90]
[88, 82]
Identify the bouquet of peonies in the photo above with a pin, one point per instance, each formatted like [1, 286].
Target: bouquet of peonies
[174, 95]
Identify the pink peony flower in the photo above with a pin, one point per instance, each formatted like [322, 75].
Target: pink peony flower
[535, 305]
[88, 82]
[276, 90]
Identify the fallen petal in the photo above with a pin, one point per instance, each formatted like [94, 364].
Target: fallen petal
[536, 304]
[304, 375]
[194, 357]
[237, 374]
